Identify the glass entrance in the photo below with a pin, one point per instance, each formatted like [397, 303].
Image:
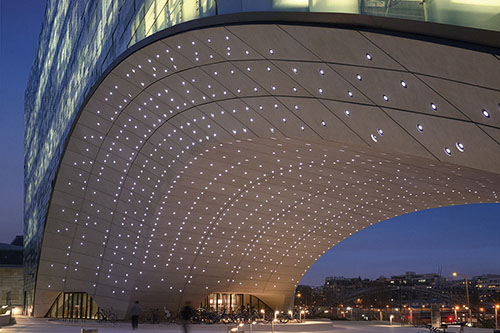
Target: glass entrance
[233, 302]
[73, 305]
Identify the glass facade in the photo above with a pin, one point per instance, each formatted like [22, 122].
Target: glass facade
[74, 306]
[80, 39]
[233, 302]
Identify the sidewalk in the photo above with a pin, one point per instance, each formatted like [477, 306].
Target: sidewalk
[42, 325]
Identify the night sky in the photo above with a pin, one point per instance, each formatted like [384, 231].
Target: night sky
[463, 238]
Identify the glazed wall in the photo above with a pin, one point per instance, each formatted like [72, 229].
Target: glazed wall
[78, 41]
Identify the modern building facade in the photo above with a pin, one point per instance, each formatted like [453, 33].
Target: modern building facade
[177, 149]
[11, 274]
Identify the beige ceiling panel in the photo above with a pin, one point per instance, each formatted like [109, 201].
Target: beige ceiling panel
[77, 284]
[440, 60]
[493, 132]
[173, 57]
[471, 100]
[193, 49]
[158, 52]
[134, 73]
[236, 81]
[270, 77]
[226, 44]
[143, 112]
[191, 94]
[250, 120]
[218, 123]
[378, 129]
[123, 70]
[272, 42]
[210, 88]
[479, 150]
[282, 120]
[72, 173]
[108, 97]
[97, 124]
[102, 109]
[398, 90]
[321, 81]
[126, 136]
[341, 46]
[66, 227]
[316, 116]
[87, 134]
[149, 65]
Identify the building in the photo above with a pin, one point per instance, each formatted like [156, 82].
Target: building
[414, 279]
[488, 283]
[488, 289]
[174, 153]
[11, 274]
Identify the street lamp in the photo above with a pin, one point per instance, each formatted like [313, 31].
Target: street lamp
[497, 306]
[456, 309]
[467, 293]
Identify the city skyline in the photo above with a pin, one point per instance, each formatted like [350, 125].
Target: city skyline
[451, 225]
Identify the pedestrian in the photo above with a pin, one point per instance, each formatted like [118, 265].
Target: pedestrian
[187, 313]
[135, 312]
[167, 314]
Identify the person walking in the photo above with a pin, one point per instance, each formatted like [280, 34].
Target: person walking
[166, 314]
[187, 313]
[135, 312]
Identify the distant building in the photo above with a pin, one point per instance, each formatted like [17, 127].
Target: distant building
[488, 283]
[11, 272]
[414, 279]
[488, 288]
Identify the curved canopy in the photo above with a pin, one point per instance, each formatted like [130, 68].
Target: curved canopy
[229, 159]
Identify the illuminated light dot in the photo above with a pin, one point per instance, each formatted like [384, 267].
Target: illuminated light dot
[374, 138]
[369, 56]
[447, 151]
[347, 113]
[460, 146]
[385, 97]
[420, 128]
[403, 84]
[380, 132]
[323, 123]
[350, 93]
[271, 51]
[434, 107]
[359, 77]
[485, 113]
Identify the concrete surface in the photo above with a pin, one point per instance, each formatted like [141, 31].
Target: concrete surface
[39, 325]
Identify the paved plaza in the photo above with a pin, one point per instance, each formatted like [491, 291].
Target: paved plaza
[40, 325]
